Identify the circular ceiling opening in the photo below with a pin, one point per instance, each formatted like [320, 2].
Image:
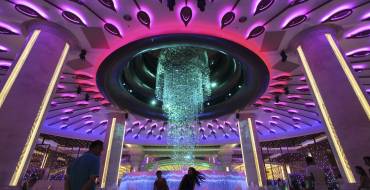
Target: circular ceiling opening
[127, 77]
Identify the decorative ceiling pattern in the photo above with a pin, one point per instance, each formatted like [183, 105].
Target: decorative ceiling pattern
[286, 109]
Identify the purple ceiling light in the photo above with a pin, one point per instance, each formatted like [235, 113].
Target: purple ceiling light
[310, 104]
[227, 19]
[296, 2]
[295, 21]
[72, 17]
[108, 3]
[359, 67]
[292, 111]
[366, 17]
[5, 64]
[142, 15]
[294, 97]
[112, 29]
[28, 11]
[255, 32]
[339, 13]
[64, 126]
[361, 52]
[263, 5]
[3, 49]
[6, 29]
[361, 32]
[229, 16]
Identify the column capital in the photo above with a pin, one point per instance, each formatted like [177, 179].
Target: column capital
[57, 30]
[118, 114]
[306, 35]
[245, 115]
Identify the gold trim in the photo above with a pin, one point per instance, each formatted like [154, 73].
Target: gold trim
[109, 149]
[39, 118]
[324, 112]
[355, 86]
[255, 156]
[18, 66]
[243, 155]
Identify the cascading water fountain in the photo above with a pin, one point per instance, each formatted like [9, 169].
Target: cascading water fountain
[183, 84]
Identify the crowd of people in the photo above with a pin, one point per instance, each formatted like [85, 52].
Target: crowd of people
[83, 174]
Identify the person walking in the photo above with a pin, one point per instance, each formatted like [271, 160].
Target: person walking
[189, 180]
[314, 176]
[83, 173]
[160, 183]
[364, 179]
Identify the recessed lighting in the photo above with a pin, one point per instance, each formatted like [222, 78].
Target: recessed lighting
[213, 84]
[153, 102]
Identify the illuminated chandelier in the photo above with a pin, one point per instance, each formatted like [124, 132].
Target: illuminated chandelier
[182, 84]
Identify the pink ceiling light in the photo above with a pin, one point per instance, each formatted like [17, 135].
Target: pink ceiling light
[142, 15]
[112, 29]
[186, 12]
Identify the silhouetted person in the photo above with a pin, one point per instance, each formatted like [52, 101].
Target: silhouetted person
[367, 162]
[189, 180]
[83, 173]
[315, 177]
[364, 179]
[160, 183]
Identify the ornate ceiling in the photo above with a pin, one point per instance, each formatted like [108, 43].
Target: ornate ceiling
[286, 109]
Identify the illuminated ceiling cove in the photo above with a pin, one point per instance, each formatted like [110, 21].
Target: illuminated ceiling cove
[286, 109]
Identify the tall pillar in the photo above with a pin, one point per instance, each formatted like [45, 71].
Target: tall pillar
[225, 155]
[342, 103]
[114, 140]
[251, 151]
[25, 97]
[136, 160]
